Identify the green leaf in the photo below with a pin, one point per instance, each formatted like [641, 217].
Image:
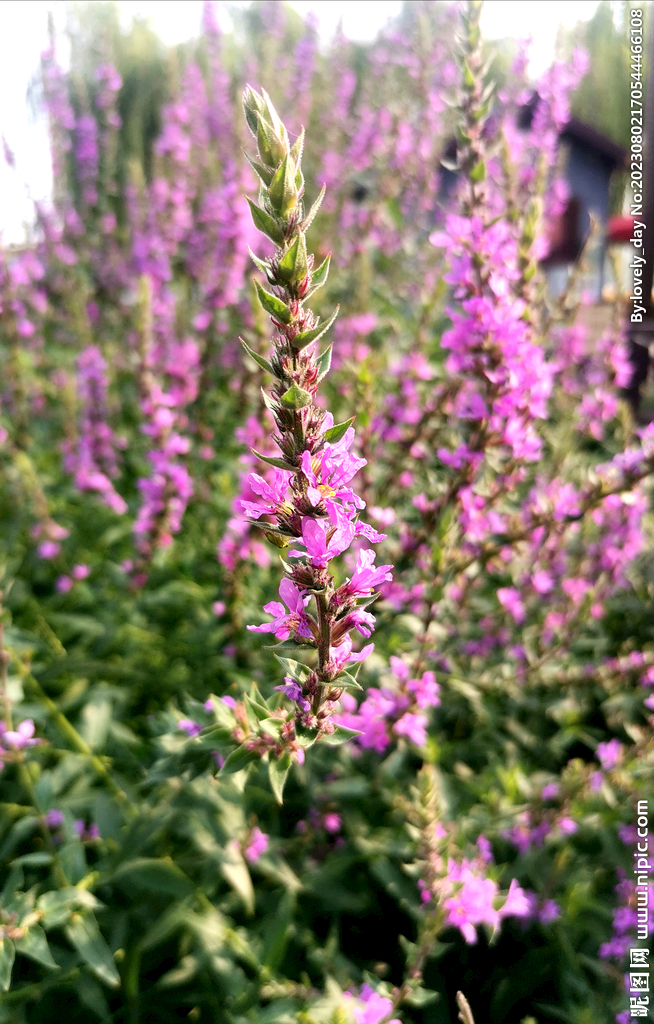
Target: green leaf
[293, 266]
[272, 461]
[419, 997]
[306, 337]
[265, 173]
[235, 871]
[314, 210]
[282, 193]
[324, 361]
[263, 363]
[296, 398]
[83, 933]
[338, 431]
[239, 759]
[278, 932]
[265, 223]
[34, 944]
[341, 734]
[271, 148]
[269, 402]
[154, 875]
[7, 957]
[272, 305]
[293, 668]
[33, 860]
[254, 108]
[277, 772]
[257, 710]
[297, 149]
[290, 645]
[58, 904]
[261, 264]
[478, 172]
[347, 681]
[319, 276]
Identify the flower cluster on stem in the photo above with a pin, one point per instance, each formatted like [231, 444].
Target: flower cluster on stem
[309, 504]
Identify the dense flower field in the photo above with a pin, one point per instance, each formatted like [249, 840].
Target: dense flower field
[326, 648]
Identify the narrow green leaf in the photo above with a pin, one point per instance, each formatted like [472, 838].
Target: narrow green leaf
[257, 710]
[320, 275]
[270, 114]
[290, 645]
[277, 773]
[282, 193]
[154, 875]
[341, 734]
[34, 944]
[273, 305]
[239, 759]
[338, 431]
[294, 266]
[265, 223]
[293, 668]
[83, 933]
[306, 337]
[271, 149]
[254, 108]
[296, 398]
[420, 997]
[261, 264]
[263, 363]
[272, 727]
[270, 403]
[314, 210]
[235, 872]
[265, 173]
[272, 461]
[213, 735]
[297, 149]
[478, 172]
[348, 682]
[7, 957]
[324, 362]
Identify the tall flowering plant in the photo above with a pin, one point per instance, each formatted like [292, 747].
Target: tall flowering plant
[309, 506]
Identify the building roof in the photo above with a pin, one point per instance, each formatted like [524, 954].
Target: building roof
[613, 155]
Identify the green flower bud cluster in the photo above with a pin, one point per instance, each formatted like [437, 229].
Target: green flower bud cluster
[280, 216]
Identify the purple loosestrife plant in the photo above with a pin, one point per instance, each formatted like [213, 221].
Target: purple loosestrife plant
[309, 506]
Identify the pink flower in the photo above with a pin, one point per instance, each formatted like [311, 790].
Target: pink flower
[257, 845]
[48, 549]
[609, 754]
[219, 608]
[343, 655]
[511, 599]
[19, 738]
[293, 691]
[516, 903]
[332, 822]
[80, 572]
[64, 584]
[567, 826]
[413, 727]
[189, 727]
[285, 623]
[322, 541]
[273, 494]
[365, 576]
[376, 1008]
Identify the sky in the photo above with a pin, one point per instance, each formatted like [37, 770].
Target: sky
[23, 35]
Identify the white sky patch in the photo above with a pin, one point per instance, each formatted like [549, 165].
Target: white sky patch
[23, 35]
